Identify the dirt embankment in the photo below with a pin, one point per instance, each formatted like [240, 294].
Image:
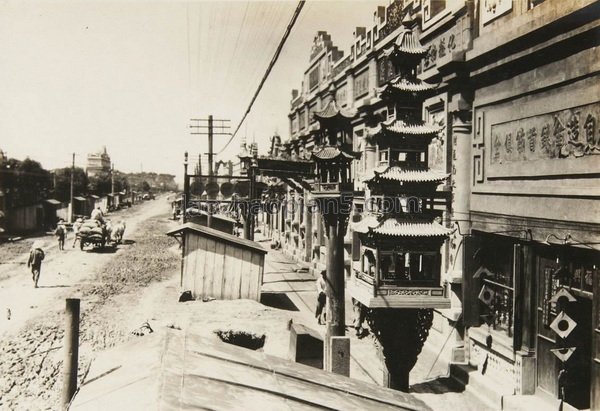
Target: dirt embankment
[31, 361]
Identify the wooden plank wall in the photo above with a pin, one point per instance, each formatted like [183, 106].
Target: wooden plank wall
[213, 268]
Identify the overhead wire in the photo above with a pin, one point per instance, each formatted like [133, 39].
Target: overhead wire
[268, 71]
[237, 41]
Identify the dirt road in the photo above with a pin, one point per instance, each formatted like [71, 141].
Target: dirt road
[62, 272]
[110, 286]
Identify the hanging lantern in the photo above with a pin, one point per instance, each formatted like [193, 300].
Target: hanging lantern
[563, 325]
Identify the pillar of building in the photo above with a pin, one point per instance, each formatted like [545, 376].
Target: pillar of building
[461, 177]
[525, 367]
[308, 228]
[370, 156]
[299, 206]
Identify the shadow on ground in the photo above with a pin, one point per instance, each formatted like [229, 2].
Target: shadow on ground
[128, 242]
[438, 385]
[278, 300]
[54, 286]
[102, 250]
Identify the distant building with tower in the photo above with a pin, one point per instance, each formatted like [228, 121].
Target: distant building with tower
[97, 162]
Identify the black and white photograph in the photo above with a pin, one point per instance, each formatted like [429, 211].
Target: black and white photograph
[300, 205]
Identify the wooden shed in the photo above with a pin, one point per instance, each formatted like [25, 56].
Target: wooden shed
[219, 265]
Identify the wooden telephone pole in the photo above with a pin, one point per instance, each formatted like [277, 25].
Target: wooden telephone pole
[206, 127]
[72, 189]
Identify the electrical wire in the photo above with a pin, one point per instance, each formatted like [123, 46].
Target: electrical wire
[266, 75]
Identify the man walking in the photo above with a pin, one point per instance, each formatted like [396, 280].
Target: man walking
[76, 226]
[321, 297]
[36, 255]
[61, 232]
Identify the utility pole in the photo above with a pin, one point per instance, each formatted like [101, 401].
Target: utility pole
[112, 179]
[206, 127]
[72, 188]
[210, 169]
[186, 188]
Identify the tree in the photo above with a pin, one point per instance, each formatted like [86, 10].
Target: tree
[24, 182]
[62, 179]
[145, 186]
[101, 183]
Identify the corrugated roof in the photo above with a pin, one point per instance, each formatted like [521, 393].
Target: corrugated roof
[402, 127]
[398, 227]
[333, 110]
[405, 174]
[180, 370]
[408, 42]
[409, 85]
[330, 152]
[219, 235]
[365, 224]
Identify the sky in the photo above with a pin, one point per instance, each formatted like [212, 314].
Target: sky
[79, 75]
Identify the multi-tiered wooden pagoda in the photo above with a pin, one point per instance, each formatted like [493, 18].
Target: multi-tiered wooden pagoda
[401, 236]
[397, 280]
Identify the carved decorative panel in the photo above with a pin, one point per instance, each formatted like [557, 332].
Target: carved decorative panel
[491, 9]
[361, 84]
[572, 133]
[478, 165]
[479, 128]
[445, 44]
[341, 95]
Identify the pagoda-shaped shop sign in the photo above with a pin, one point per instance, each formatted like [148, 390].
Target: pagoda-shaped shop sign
[401, 237]
[333, 155]
[332, 190]
[397, 281]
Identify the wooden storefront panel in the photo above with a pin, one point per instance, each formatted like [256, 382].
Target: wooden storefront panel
[246, 273]
[547, 362]
[197, 269]
[191, 242]
[209, 268]
[218, 274]
[256, 276]
[595, 366]
[232, 272]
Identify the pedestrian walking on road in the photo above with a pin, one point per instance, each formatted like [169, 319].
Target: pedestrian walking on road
[321, 297]
[36, 256]
[76, 226]
[61, 232]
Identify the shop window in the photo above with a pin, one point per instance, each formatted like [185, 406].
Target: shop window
[496, 286]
